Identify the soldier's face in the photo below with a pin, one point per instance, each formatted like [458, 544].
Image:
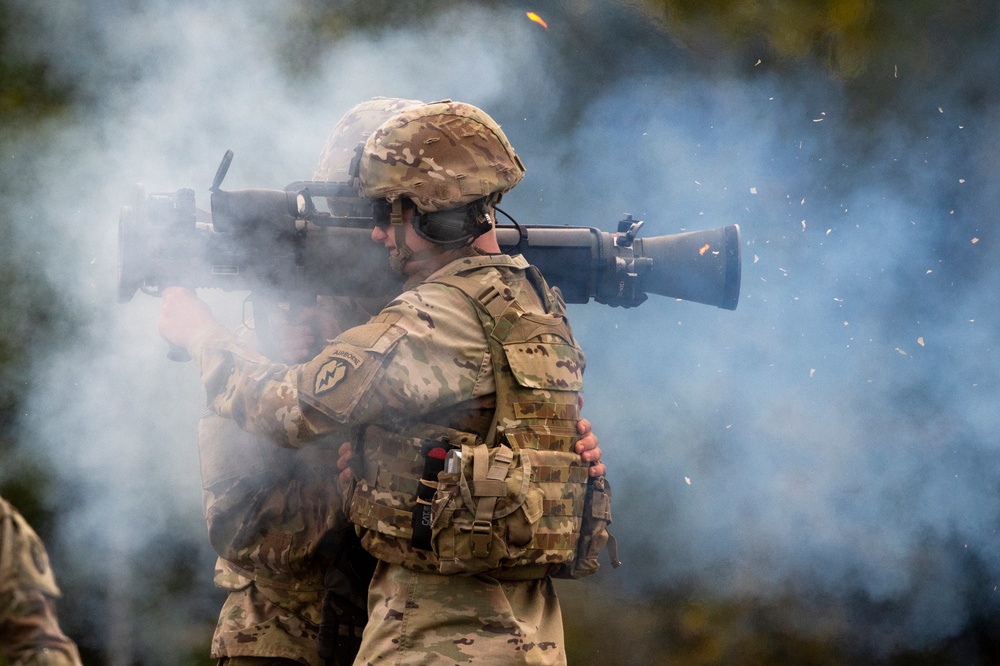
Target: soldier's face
[386, 237]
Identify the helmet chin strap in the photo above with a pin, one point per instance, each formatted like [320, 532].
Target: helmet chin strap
[403, 254]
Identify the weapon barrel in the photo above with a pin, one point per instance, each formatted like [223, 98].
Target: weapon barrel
[614, 269]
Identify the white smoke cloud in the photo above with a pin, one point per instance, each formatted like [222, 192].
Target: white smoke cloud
[166, 88]
[804, 440]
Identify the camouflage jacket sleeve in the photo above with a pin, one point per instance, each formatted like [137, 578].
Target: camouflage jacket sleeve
[29, 629]
[269, 515]
[269, 510]
[426, 350]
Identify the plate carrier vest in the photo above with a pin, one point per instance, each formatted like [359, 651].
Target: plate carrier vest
[514, 504]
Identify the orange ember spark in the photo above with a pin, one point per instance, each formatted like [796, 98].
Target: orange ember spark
[704, 249]
[538, 19]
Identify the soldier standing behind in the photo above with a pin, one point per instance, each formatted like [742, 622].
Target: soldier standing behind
[275, 516]
[29, 629]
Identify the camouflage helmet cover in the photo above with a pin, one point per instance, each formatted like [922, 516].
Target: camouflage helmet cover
[440, 155]
[353, 128]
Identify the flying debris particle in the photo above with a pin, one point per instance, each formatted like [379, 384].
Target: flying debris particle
[961, 180]
[755, 258]
[704, 249]
[901, 351]
[895, 71]
[975, 240]
[537, 19]
[803, 225]
[819, 120]
[758, 62]
[920, 341]
[753, 190]
[697, 183]
[940, 110]
[828, 231]
[812, 371]
[687, 480]
[929, 271]
[803, 202]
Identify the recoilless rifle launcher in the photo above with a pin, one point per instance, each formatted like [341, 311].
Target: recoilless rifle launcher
[280, 241]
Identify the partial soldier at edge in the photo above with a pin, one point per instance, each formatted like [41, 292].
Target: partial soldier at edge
[29, 628]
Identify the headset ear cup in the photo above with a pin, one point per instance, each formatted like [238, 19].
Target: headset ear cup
[457, 226]
[442, 227]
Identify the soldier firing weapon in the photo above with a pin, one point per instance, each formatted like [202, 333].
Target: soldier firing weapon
[314, 238]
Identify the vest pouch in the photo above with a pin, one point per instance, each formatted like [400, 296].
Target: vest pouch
[485, 516]
[594, 535]
[382, 503]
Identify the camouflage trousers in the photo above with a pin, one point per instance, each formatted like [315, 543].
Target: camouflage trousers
[257, 661]
[426, 618]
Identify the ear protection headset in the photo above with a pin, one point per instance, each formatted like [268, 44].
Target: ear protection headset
[451, 228]
[455, 227]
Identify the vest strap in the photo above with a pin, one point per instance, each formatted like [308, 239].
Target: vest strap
[488, 486]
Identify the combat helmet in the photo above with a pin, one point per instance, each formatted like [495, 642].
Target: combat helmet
[351, 131]
[450, 160]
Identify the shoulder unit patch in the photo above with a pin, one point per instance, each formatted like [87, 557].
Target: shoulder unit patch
[334, 371]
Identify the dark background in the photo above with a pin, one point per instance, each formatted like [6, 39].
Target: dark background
[811, 479]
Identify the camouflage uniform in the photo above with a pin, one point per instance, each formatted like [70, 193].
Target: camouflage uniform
[270, 514]
[276, 519]
[275, 516]
[425, 353]
[29, 630]
[424, 358]
[424, 618]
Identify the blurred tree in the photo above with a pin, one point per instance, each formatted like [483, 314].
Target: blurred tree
[27, 93]
[841, 33]
[32, 313]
